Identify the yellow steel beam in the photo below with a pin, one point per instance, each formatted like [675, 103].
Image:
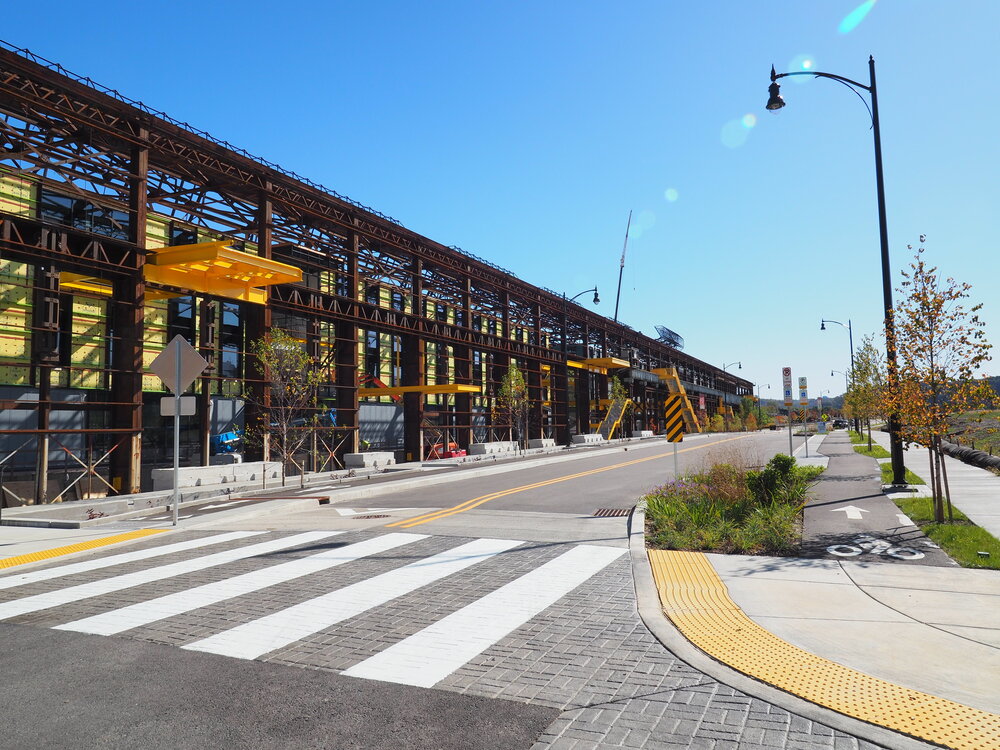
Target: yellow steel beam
[178, 254]
[82, 283]
[440, 388]
[609, 363]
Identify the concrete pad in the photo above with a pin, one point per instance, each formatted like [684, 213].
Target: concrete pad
[986, 636]
[733, 567]
[964, 580]
[897, 632]
[910, 654]
[809, 600]
[941, 607]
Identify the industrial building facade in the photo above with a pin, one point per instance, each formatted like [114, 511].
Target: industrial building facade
[121, 229]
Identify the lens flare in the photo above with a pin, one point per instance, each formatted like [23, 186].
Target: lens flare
[749, 120]
[671, 195]
[734, 134]
[801, 63]
[856, 16]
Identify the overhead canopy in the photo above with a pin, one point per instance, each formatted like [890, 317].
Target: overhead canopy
[216, 268]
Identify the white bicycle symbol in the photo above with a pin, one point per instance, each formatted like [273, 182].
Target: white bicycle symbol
[874, 546]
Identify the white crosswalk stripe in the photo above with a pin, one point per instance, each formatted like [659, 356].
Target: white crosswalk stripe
[427, 657]
[269, 633]
[128, 580]
[34, 576]
[423, 659]
[144, 613]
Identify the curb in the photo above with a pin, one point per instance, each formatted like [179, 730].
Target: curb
[648, 603]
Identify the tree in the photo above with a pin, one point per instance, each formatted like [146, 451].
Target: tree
[866, 399]
[513, 402]
[940, 345]
[287, 405]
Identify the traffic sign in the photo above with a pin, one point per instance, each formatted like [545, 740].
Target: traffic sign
[178, 365]
[675, 418]
[786, 384]
[169, 404]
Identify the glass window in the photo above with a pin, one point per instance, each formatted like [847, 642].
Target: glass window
[180, 318]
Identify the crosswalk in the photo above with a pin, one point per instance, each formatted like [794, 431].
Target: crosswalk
[292, 593]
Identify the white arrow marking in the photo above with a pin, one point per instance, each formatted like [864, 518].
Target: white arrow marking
[365, 511]
[852, 512]
[223, 505]
[904, 520]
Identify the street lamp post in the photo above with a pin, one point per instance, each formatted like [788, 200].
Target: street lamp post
[850, 336]
[838, 372]
[597, 300]
[775, 102]
[768, 386]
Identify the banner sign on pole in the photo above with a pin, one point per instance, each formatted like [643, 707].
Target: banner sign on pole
[786, 384]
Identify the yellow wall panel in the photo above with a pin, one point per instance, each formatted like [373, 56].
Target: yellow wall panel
[14, 375]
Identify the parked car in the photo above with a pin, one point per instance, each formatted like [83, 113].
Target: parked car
[840, 424]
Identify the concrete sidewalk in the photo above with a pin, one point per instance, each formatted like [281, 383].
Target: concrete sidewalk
[931, 631]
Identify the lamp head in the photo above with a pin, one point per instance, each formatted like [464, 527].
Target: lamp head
[739, 365]
[597, 300]
[831, 373]
[774, 100]
[822, 325]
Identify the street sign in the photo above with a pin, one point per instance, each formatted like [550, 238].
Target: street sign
[178, 365]
[803, 392]
[675, 418]
[786, 384]
[168, 406]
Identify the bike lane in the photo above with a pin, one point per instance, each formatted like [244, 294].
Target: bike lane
[849, 518]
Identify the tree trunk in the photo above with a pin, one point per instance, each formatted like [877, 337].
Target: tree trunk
[947, 489]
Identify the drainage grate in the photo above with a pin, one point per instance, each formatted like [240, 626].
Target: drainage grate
[610, 512]
[369, 518]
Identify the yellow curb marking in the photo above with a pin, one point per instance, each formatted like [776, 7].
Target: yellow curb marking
[698, 602]
[10, 562]
[477, 501]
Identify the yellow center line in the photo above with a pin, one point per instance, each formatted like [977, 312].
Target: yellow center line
[482, 499]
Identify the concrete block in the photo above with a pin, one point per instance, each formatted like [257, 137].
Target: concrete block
[591, 439]
[643, 434]
[370, 460]
[200, 476]
[542, 443]
[489, 449]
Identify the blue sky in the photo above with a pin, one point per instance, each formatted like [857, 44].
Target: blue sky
[526, 132]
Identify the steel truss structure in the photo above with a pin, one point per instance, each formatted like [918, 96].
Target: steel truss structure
[94, 184]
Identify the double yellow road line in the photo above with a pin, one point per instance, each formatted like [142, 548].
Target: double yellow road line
[482, 499]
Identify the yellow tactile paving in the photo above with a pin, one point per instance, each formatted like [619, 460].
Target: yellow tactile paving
[69, 549]
[697, 601]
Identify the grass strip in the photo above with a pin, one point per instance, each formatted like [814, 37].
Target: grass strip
[886, 468]
[877, 451]
[962, 540]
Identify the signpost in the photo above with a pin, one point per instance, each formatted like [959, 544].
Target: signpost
[804, 402]
[675, 423]
[177, 366]
[786, 386]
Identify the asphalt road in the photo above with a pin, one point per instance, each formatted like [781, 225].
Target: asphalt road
[336, 626]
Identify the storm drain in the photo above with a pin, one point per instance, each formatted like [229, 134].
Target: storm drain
[371, 517]
[611, 512]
